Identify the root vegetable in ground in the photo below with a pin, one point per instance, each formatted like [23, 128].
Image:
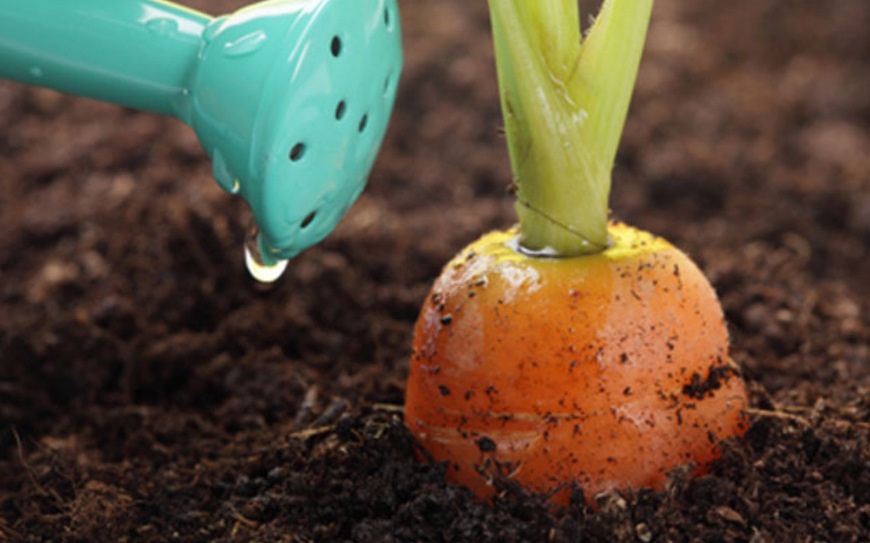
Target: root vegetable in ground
[569, 352]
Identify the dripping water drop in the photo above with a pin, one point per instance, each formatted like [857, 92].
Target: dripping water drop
[264, 270]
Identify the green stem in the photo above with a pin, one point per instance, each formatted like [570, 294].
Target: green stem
[564, 102]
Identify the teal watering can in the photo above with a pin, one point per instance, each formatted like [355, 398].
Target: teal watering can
[289, 98]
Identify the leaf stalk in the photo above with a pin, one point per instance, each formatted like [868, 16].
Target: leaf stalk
[564, 100]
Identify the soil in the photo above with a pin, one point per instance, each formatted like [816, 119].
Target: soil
[151, 391]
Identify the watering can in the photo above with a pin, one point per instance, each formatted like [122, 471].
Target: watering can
[289, 98]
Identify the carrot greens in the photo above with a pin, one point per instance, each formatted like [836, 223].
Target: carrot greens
[564, 99]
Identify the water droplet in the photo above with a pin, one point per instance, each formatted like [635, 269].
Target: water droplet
[264, 270]
[546, 252]
[263, 273]
[222, 174]
[162, 26]
[36, 72]
[182, 104]
[246, 45]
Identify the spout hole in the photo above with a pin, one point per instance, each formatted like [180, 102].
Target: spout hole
[335, 46]
[308, 219]
[388, 19]
[363, 122]
[340, 110]
[297, 152]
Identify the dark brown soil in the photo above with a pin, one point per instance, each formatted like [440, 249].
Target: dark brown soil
[150, 391]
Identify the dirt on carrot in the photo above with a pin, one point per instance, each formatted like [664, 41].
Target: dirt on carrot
[149, 391]
[572, 374]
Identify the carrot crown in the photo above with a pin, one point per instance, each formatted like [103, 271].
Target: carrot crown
[564, 99]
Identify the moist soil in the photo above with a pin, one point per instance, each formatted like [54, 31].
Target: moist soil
[151, 391]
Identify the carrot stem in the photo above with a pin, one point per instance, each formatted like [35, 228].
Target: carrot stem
[564, 99]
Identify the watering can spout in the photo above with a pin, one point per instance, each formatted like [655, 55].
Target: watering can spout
[289, 98]
[139, 57]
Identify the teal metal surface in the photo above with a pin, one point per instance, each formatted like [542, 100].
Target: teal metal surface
[289, 98]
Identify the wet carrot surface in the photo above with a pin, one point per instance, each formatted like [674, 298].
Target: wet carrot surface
[608, 370]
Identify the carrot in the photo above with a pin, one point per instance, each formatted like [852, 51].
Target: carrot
[569, 350]
[606, 370]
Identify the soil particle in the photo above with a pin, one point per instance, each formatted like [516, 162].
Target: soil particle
[486, 444]
[699, 387]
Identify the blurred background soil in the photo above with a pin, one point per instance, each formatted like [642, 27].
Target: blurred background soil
[151, 391]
